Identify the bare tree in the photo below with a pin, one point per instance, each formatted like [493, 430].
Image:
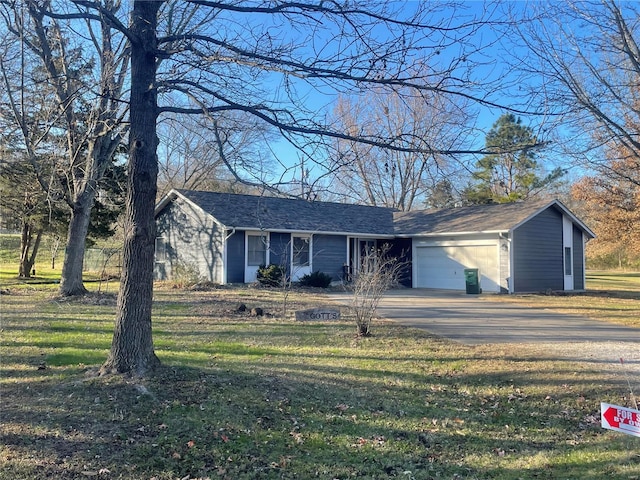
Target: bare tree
[373, 175]
[82, 91]
[377, 273]
[191, 157]
[267, 61]
[186, 159]
[583, 63]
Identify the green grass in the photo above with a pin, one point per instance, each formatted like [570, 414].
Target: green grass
[610, 296]
[240, 397]
[9, 248]
[47, 277]
[617, 282]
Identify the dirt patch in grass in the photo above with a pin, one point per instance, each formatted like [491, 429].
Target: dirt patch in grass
[247, 397]
[89, 298]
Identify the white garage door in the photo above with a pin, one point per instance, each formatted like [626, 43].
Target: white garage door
[443, 266]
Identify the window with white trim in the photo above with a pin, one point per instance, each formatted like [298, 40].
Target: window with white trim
[161, 250]
[301, 251]
[568, 261]
[256, 250]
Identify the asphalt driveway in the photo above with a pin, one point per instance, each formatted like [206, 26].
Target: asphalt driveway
[475, 320]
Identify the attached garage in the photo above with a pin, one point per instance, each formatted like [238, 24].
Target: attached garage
[517, 247]
[442, 266]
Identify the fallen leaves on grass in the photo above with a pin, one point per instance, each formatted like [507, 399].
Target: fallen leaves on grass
[375, 441]
[94, 473]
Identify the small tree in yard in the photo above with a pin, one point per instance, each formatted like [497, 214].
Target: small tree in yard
[377, 273]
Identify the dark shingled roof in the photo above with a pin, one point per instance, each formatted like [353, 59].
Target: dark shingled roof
[287, 214]
[273, 213]
[477, 218]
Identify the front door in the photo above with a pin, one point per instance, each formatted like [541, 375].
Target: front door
[360, 250]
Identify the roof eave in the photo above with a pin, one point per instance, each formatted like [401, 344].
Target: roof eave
[164, 201]
[564, 210]
[456, 233]
[313, 232]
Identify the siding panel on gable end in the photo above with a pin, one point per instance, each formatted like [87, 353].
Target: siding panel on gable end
[329, 255]
[578, 259]
[164, 252]
[537, 253]
[192, 240]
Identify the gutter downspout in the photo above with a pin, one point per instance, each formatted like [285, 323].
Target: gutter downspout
[508, 238]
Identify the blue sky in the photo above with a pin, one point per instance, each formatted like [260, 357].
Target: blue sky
[490, 69]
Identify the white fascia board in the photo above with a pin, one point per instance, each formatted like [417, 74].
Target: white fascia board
[575, 219]
[449, 234]
[164, 201]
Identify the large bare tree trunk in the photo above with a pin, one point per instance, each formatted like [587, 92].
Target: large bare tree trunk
[132, 346]
[71, 279]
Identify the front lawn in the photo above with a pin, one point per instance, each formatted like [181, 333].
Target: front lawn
[242, 397]
[610, 296]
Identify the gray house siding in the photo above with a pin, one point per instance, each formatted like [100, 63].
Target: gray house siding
[329, 255]
[192, 243]
[578, 259]
[537, 253]
[235, 257]
[166, 254]
[280, 249]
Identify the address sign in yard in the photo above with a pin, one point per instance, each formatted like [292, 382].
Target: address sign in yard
[620, 419]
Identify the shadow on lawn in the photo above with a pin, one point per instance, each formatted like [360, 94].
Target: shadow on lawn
[286, 400]
[281, 421]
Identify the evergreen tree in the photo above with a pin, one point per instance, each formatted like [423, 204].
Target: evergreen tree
[511, 171]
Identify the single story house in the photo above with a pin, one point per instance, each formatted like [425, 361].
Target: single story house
[517, 247]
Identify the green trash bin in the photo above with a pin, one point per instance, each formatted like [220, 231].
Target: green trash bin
[472, 280]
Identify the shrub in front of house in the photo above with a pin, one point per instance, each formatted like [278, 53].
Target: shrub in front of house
[270, 275]
[316, 279]
[186, 274]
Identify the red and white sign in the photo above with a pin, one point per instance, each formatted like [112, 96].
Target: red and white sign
[620, 419]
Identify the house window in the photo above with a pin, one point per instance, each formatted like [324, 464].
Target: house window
[256, 250]
[161, 250]
[301, 251]
[567, 261]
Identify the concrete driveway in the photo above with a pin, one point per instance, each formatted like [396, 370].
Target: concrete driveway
[475, 320]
